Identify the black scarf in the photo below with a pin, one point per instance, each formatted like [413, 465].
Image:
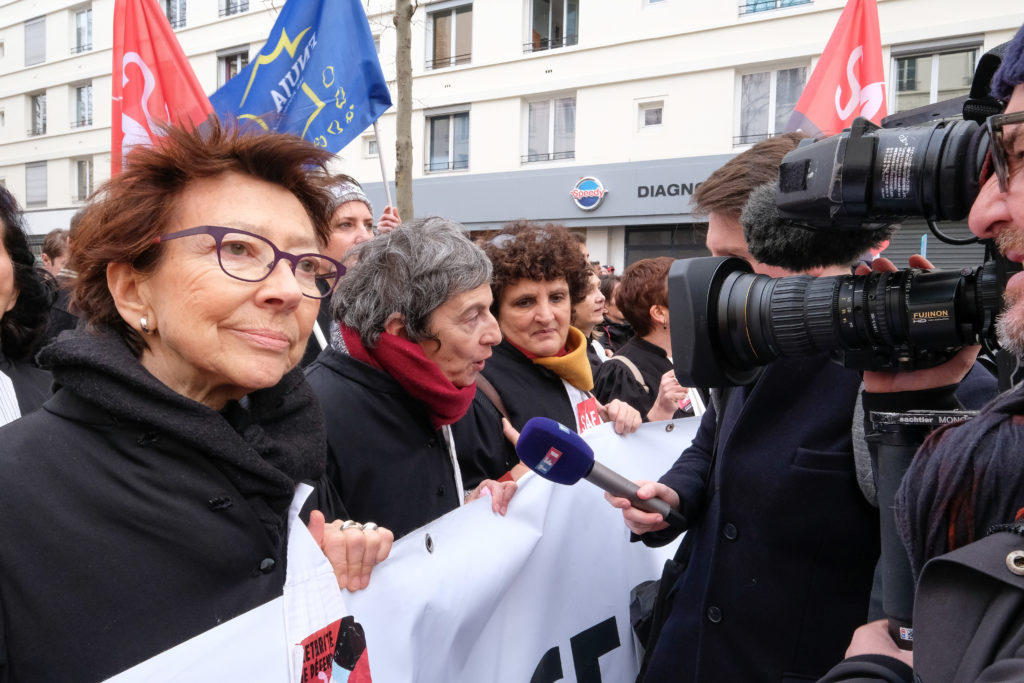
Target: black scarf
[264, 448]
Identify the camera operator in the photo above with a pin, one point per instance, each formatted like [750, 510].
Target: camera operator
[967, 479]
[776, 569]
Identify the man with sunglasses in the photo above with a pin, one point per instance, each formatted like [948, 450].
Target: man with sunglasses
[960, 507]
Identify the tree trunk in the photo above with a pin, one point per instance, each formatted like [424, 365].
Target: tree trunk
[404, 10]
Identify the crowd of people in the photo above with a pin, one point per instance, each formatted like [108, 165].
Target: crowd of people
[227, 334]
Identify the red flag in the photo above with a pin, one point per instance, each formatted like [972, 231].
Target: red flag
[152, 79]
[848, 80]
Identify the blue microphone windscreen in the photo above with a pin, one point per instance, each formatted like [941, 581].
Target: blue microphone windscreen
[554, 451]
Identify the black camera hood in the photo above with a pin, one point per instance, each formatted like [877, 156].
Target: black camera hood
[698, 355]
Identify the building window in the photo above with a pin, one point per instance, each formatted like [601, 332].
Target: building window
[3, 118]
[83, 31]
[451, 39]
[175, 11]
[370, 148]
[926, 77]
[35, 41]
[553, 23]
[38, 114]
[376, 42]
[551, 130]
[2, 49]
[767, 100]
[83, 179]
[650, 113]
[231, 64]
[449, 142]
[748, 6]
[83, 106]
[229, 7]
[35, 184]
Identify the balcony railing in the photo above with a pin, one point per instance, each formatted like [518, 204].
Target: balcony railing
[230, 8]
[81, 122]
[448, 61]
[751, 6]
[738, 140]
[82, 47]
[36, 131]
[179, 22]
[539, 43]
[435, 166]
[549, 156]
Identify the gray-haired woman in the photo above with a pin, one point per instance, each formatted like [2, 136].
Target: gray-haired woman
[406, 437]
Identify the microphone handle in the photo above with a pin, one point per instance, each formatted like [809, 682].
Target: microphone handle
[617, 485]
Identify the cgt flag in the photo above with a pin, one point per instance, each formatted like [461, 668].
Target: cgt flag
[317, 76]
[153, 81]
[847, 81]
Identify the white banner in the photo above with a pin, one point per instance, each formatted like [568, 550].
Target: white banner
[539, 595]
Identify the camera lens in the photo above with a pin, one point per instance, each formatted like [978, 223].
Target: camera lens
[870, 174]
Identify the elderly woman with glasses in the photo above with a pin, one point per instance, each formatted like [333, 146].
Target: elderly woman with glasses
[408, 439]
[24, 311]
[541, 366]
[148, 500]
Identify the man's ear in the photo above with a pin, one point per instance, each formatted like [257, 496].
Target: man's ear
[395, 325]
[657, 314]
[125, 285]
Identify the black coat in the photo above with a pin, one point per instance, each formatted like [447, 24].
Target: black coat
[615, 380]
[782, 544]
[528, 389]
[123, 538]
[32, 386]
[968, 620]
[385, 458]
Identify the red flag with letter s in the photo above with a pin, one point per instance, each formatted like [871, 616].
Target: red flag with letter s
[153, 81]
[848, 80]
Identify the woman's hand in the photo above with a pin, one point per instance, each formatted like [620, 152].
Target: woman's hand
[626, 418]
[670, 393]
[501, 493]
[638, 521]
[352, 552]
[389, 220]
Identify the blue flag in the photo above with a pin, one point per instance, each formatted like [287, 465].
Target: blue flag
[317, 76]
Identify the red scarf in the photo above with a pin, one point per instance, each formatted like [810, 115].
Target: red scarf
[409, 366]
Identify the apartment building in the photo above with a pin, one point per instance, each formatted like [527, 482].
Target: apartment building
[602, 115]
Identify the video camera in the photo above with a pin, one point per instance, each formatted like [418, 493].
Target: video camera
[727, 322]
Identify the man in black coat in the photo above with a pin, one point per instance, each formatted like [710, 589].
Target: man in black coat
[776, 569]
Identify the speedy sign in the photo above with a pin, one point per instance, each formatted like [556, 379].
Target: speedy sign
[588, 193]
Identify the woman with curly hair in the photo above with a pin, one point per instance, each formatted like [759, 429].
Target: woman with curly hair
[24, 314]
[541, 366]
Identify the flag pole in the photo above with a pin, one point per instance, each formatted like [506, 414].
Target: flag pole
[380, 158]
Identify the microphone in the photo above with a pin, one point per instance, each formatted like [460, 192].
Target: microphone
[559, 454]
[779, 241]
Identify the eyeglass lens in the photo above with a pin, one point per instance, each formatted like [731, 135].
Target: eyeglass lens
[251, 258]
[1006, 162]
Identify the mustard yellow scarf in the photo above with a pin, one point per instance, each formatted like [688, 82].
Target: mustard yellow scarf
[573, 367]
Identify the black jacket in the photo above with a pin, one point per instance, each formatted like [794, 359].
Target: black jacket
[133, 518]
[615, 380]
[968, 620]
[782, 544]
[528, 389]
[385, 458]
[31, 384]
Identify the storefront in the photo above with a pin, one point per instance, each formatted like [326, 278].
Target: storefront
[629, 211]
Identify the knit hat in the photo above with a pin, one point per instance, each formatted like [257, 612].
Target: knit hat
[345, 191]
[1011, 72]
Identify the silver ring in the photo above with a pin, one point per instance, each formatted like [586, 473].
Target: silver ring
[370, 526]
[351, 524]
